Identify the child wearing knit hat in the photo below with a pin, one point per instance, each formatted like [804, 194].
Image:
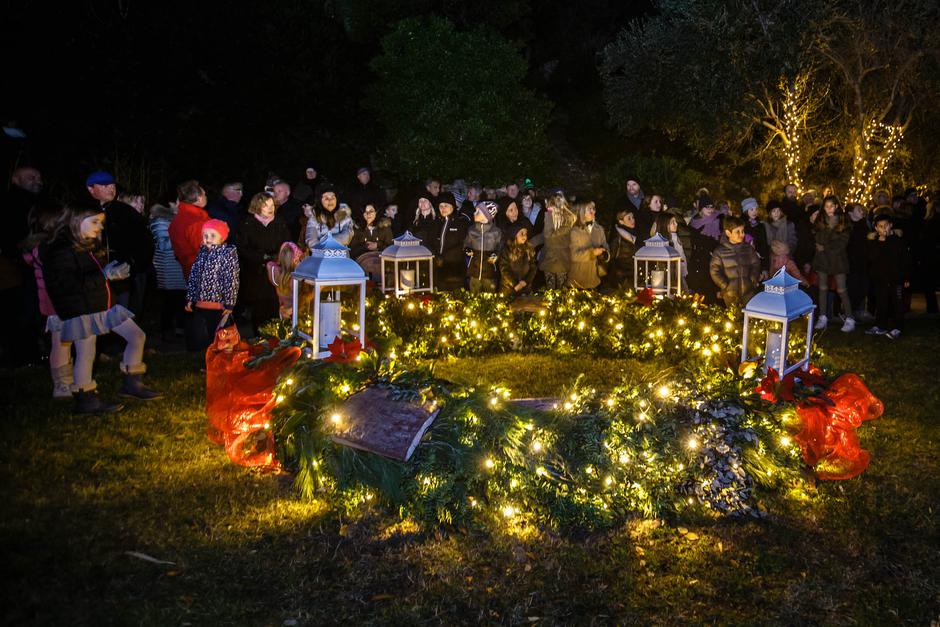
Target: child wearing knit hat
[213, 283]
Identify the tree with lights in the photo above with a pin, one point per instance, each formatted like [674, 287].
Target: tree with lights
[785, 83]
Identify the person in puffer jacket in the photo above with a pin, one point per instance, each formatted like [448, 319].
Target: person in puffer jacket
[482, 245]
[735, 266]
[213, 283]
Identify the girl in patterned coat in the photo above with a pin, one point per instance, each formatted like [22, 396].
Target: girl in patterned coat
[213, 283]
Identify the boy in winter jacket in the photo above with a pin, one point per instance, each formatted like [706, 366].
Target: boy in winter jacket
[213, 282]
[735, 266]
[887, 261]
[482, 245]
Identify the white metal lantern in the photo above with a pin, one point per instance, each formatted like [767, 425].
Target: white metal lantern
[779, 305]
[407, 266]
[658, 266]
[327, 271]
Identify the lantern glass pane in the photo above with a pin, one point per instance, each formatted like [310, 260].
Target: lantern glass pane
[388, 269]
[764, 338]
[796, 347]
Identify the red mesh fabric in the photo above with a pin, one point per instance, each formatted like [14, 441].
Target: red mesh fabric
[239, 399]
[828, 437]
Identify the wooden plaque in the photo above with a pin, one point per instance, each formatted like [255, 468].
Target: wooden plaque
[371, 420]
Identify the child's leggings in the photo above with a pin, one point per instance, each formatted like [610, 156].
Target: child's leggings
[85, 355]
[840, 290]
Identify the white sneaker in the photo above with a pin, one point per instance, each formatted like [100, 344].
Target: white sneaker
[893, 334]
[849, 325]
[821, 323]
[875, 331]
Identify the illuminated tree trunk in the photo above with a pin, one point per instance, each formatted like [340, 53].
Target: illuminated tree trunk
[874, 150]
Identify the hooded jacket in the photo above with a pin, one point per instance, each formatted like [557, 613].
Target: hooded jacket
[483, 239]
[735, 269]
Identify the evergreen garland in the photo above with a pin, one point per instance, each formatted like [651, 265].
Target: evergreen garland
[692, 443]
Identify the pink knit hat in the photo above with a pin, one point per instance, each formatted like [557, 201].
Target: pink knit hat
[218, 226]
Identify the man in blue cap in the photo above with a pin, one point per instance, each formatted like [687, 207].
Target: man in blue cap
[127, 239]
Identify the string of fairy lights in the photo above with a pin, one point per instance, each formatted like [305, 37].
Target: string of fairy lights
[873, 152]
[792, 123]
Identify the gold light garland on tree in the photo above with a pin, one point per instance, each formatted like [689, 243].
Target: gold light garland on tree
[868, 170]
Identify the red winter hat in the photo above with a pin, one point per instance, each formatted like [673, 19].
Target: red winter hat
[218, 226]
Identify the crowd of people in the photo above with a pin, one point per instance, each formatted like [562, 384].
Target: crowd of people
[83, 270]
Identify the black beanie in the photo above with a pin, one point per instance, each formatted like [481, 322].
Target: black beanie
[447, 197]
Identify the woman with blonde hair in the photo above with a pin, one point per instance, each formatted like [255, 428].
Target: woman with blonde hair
[588, 246]
[556, 254]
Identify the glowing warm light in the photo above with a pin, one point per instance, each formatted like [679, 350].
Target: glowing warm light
[785, 440]
[336, 418]
[609, 480]
[610, 402]
[509, 511]
[489, 463]
[279, 399]
[540, 471]
[289, 382]
[536, 446]
[624, 458]
[493, 401]
[344, 388]
[411, 305]
[663, 391]
[692, 444]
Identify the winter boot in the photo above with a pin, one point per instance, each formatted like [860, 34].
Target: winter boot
[61, 381]
[88, 402]
[134, 388]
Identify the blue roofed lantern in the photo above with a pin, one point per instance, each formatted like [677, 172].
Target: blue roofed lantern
[658, 266]
[407, 266]
[780, 311]
[328, 285]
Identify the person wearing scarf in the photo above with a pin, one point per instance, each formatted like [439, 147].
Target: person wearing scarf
[708, 220]
[624, 240]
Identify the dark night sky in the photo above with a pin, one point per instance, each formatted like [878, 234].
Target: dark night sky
[212, 90]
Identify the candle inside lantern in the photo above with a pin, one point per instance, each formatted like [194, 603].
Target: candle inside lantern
[772, 357]
[658, 279]
[329, 322]
[407, 279]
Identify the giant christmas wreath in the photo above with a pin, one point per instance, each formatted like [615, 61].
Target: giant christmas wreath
[703, 436]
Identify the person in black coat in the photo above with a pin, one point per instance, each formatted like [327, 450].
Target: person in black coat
[259, 240]
[126, 239]
[363, 192]
[754, 218]
[425, 223]
[371, 234]
[888, 267]
[450, 261]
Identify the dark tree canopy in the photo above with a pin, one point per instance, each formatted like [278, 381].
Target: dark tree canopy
[453, 103]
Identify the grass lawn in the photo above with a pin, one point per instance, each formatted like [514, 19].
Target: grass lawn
[80, 493]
